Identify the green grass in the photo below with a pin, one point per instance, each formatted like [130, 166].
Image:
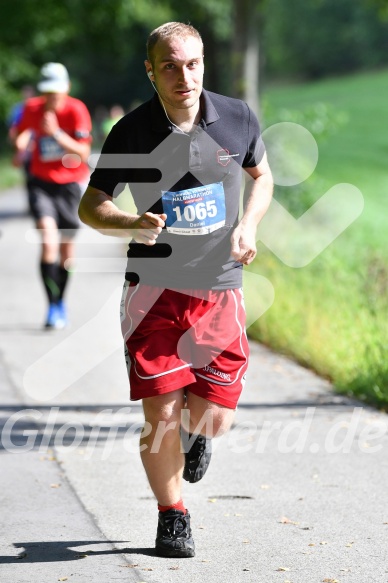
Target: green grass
[9, 175]
[332, 314]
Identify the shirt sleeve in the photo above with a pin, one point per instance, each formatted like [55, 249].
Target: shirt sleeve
[15, 115]
[26, 120]
[82, 123]
[255, 145]
[107, 178]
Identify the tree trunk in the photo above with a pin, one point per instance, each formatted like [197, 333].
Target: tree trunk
[245, 52]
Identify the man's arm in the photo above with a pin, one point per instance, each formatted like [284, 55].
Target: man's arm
[51, 127]
[99, 212]
[243, 238]
[21, 142]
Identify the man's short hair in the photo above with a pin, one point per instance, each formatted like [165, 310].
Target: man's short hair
[170, 30]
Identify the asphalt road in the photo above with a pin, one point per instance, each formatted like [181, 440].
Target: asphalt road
[296, 491]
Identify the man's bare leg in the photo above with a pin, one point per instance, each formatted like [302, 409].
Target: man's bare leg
[206, 418]
[201, 421]
[161, 453]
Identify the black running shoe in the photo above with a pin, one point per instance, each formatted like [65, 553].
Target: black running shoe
[173, 537]
[197, 456]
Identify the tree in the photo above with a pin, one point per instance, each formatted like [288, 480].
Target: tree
[245, 51]
[315, 38]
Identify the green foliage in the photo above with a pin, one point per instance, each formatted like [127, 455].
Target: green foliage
[322, 120]
[381, 6]
[15, 71]
[9, 175]
[103, 43]
[315, 38]
[332, 314]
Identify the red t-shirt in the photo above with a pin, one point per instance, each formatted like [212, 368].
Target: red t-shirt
[47, 164]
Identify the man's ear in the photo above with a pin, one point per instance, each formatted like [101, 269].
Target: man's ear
[148, 67]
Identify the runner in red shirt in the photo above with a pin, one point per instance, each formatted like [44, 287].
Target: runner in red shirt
[61, 127]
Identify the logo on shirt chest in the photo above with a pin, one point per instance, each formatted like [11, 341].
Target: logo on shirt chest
[224, 156]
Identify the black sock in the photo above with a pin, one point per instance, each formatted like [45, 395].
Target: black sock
[63, 275]
[49, 273]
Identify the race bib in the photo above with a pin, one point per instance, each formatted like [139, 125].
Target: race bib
[195, 211]
[50, 150]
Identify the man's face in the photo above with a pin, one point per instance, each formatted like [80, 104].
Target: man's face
[178, 71]
[54, 101]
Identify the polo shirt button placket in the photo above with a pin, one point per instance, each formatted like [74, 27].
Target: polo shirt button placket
[195, 155]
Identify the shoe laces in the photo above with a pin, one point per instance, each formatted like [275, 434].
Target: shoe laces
[177, 526]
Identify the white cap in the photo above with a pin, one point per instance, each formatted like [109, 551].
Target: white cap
[54, 78]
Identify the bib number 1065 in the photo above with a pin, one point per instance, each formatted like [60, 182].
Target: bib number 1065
[198, 211]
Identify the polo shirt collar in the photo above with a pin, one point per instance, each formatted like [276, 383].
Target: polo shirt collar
[160, 122]
[209, 112]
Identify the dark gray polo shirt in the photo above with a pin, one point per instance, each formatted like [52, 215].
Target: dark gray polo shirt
[195, 178]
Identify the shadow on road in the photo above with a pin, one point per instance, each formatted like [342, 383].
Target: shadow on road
[60, 551]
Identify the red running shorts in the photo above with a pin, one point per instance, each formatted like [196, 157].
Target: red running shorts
[193, 339]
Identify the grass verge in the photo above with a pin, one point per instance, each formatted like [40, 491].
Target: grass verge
[9, 175]
[332, 314]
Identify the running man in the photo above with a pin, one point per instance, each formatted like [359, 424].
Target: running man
[60, 126]
[182, 310]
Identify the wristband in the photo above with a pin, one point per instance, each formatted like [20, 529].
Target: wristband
[57, 133]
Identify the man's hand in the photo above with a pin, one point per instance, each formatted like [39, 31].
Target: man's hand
[243, 238]
[147, 228]
[243, 242]
[49, 123]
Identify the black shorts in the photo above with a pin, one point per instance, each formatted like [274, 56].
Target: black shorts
[59, 201]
